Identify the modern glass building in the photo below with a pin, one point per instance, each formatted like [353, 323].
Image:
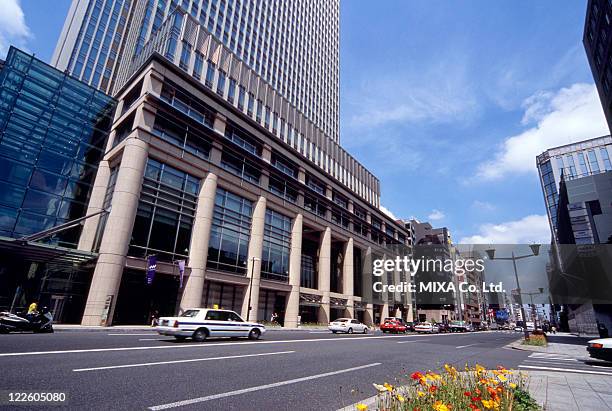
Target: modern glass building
[53, 131]
[292, 44]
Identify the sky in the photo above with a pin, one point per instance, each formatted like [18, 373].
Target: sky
[446, 102]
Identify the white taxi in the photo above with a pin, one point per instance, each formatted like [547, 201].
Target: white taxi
[202, 323]
[347, 325]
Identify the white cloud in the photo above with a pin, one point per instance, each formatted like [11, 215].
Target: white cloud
[13, 28]
[436, 215]
[483, 205]
[388, 212]
[569, 115]
[529, 229]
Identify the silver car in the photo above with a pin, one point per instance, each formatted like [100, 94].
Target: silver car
[347, 325]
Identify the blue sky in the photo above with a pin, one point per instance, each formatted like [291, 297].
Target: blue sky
[446, 102]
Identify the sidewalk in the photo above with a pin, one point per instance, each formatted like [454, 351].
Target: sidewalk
[580, 390]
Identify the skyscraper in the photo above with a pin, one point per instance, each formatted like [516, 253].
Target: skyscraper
[597, 39]
[291, 44]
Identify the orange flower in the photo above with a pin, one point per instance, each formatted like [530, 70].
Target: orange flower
[440, 406]
[416, 375]
[433, 389]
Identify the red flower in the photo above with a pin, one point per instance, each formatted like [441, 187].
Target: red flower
[433, 388]
[467, 394]
[476, 399]
[416, 375]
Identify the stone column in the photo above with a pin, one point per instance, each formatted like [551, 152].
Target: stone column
[369, 315]
[96, 202]
[198, 247]
[324, 274]
[117, 233]
[254, 260]
[295, 263]
[347, 274]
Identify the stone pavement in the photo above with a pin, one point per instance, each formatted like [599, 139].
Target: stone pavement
[569, 391]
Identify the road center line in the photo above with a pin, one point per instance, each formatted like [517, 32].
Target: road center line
[257, 388]
[145, 364]
[408, 342]
[130, 335]
[465, 346]
[195, 345]
[572, 370]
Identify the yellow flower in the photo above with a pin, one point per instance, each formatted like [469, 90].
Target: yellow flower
[440, 406]
[488, 404]
[361, 407]
[400, 398]
[380, 388]
[502, 378]
[479, 369]
[388, 386]
[512, 385]
[420, 393]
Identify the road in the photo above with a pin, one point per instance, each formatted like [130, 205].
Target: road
[305, 370]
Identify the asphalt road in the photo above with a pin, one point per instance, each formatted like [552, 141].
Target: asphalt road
[303, 370]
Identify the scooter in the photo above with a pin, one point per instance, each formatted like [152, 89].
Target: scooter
[38, 322]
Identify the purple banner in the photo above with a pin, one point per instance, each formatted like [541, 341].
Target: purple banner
[181, 266]
[151, 267]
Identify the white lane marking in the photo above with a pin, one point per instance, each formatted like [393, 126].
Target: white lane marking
[465, 346]
[193, 345]
[572, 370]
[131, 335]
[145, 364]
[548, 360]
[319, 332]
[257, 388]
[408, 342]
[150, 339]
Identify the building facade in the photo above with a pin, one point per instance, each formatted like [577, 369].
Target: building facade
[292, 45]
[597, 39]
[574, 162]
[189, 176]
[53, 131]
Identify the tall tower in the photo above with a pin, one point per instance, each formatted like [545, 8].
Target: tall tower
[292, 44]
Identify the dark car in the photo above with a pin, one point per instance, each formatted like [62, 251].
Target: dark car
[444, 327]
[410, 325]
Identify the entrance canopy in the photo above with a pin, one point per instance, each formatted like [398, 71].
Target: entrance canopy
[43, 253]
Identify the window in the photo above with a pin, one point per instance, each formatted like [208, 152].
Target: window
[210, 75]
[231, 92]
[230, 231]
[282, 187]
[284, 165]
[315, 185]
[241, 95]
[243, 140]
[221, 83]
[583, 166]
[240, 166]
[165, 214]
[259, 110]
[276, 247]
[340, 200]
[593, 161]
[198, 65]
[185, 56]
[315, 205]
[250, 104]
[606, 158]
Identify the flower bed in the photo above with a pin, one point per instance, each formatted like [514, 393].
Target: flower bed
[539, 340]
[473, 389]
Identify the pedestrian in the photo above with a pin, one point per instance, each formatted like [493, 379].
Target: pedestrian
[274, 317]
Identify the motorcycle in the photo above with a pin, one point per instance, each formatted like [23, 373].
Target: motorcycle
[38, 322]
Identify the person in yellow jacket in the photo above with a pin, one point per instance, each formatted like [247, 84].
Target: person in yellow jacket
[33, 307]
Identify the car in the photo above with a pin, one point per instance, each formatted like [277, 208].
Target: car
[410, 325]
[444, 327]
[460, 326]
[426, 327]
[202, 323]
[393, 325]
[601, 349]
[347, 325]
[494, 326]
[518, 329]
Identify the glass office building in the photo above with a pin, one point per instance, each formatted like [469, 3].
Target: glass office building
[53, 132]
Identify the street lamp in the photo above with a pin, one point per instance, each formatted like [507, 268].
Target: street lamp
[253, 259]
[535, 250]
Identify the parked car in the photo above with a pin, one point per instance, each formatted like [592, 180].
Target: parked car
[459, 326]
[393, 325]
[201, 323]
[518, 329]
[444, 327]
[601, 349]
[347, 325]
[426, 327]
[410, 325]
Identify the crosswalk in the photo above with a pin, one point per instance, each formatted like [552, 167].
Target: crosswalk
[539, 361]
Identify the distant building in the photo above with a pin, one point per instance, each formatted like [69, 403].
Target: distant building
[597, 39]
